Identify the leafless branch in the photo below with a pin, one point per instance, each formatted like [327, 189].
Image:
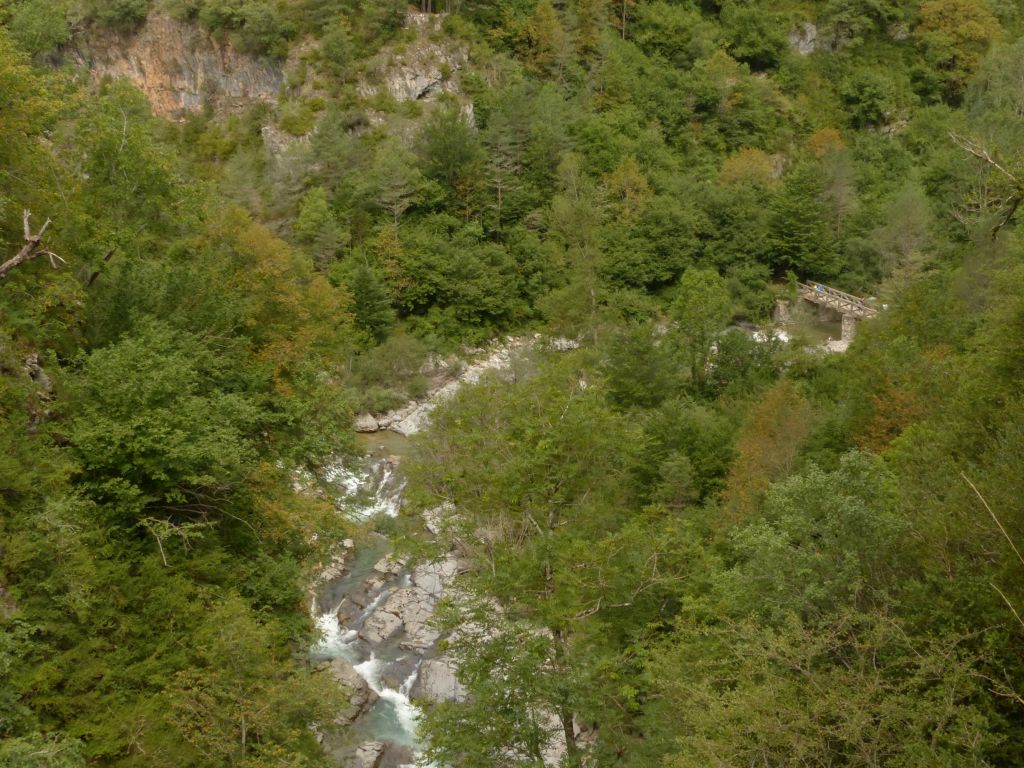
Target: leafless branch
[978, 151]
[1013, 199]
[996, 519]
[1007, 216]
[31, 248]
[1008, 603]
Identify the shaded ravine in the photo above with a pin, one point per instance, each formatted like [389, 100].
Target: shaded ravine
[374, 612]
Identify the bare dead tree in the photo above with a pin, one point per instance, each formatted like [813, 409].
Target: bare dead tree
[31, 249]
[1006, 195]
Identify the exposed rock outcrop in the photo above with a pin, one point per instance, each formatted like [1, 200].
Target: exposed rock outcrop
[277, 142]
[437, 682]
[180, 67]
[361, 697]
[389, 566]
[369, 755]
[335, 570]
[804, 39]
[431, 578]
[380, 627]
[406, 610]
[420, 70]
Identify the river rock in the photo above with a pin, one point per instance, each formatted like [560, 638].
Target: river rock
[348, 611]
[432, 519]
[398, 755]
[414, 417]
[415, 421]
[335, 570]
[361, 697]
[415, 608]
[388, 566]
[433, 577]
[437, 682]
[368, 755]
[408, 609]
[365, 422]
[366, 592]
[380, 627]
[394, 674]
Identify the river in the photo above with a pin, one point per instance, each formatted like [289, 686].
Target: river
[349, 604]
[373, 612]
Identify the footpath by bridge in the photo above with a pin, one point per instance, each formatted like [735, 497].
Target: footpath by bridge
[852, 308]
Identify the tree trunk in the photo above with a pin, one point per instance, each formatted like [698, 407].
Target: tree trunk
[572, 753]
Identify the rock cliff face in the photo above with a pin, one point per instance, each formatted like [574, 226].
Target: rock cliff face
[804, 39]
[418, 70]
[180, 67]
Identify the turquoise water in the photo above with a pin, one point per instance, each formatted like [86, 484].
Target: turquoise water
[374, 487]
[385, 443]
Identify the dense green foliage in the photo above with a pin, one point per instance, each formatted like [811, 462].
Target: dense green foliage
[706, 549]
[155, 400]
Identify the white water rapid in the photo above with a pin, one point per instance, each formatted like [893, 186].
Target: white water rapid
[349, 609]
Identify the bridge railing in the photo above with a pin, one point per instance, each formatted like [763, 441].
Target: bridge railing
[839, 300]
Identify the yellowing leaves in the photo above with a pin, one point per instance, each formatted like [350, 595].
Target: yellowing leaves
[293, 311]
[747, 165]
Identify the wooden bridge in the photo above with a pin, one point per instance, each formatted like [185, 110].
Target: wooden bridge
[845, 304]
[852, 308]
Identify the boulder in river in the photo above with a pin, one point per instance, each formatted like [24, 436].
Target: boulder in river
[365, 422]
[394, 674]
[361, 697]
[408, 609]
[414, 607]
[387, 565]
[335, 570]
[368, 755]
[437, 682]
[380, 627]
[348, 611]
[365, 593]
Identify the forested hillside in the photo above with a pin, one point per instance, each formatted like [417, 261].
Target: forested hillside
[681, 542]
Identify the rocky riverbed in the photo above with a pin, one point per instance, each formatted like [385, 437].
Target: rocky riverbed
[414, 416]
[375, 612]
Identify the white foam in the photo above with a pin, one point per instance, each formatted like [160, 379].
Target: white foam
[778, 334]
[368, 490]
[333, 639]
[373, 605]
[405, 710]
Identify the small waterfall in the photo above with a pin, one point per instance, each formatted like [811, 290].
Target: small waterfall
[405, 713]
[369, 487]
